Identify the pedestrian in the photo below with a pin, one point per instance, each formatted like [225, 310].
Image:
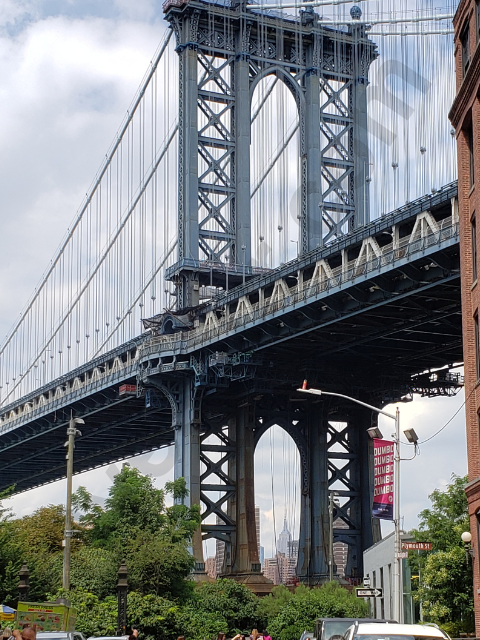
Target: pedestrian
[220, 636]
[254, 634]
[27, 633]
[133, 635]
[266, 636]
[7, 634]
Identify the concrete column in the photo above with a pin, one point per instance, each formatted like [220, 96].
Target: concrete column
[314, 525]
[187, 461]
[245, 551]
[242, 160]
[312, 144]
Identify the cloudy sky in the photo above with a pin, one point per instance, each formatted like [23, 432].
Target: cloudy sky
[69, 70]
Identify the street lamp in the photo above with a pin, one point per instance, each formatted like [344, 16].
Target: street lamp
[72, 431]
[374, 432]
[467, 543]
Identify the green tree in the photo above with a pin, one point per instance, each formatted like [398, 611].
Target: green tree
[94, 570]
[446, 574]
[10, 554]
[300, 612]
[229, 601]
[446, 590]
[39, 543]
[133, 505]
[153, 616]
[445, 521]
[271, 605]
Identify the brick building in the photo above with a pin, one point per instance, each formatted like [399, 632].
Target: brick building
[465, 117]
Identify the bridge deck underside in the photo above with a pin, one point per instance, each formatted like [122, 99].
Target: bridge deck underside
[393, 341]
[375, 351]
[115, 428]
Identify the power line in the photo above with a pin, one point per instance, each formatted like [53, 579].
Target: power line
[449, 421]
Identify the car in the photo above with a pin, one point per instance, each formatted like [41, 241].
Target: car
[394, 631]
[326, 628]
[108, 637]
[60, 635]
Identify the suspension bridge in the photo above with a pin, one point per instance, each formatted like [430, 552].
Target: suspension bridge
[227, 250]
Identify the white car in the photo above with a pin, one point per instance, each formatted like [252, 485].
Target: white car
[60, 635]
[108, 638]
[394, 631]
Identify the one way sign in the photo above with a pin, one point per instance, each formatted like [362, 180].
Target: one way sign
[369, 593]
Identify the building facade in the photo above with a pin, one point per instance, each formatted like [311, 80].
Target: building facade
[378, 566]
[465, 118]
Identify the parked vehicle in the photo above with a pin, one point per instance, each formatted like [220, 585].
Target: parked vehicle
[326, 628]
[60, 635]
[108, 638]
[394, 631]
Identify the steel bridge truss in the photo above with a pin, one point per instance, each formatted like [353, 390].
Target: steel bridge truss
[224, 53]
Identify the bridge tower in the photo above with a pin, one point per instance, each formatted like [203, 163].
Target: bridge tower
[225, 49]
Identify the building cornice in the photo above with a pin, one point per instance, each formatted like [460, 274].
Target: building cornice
[471, 488]
[467, 91]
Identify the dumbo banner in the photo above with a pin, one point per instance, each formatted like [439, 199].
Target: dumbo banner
[383, 451]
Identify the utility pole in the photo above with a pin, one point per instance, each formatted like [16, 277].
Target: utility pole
[122, 590]
[72, 431]
[331, 501]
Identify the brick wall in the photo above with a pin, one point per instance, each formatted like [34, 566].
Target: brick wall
[465, 113]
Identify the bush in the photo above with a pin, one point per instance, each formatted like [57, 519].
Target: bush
[300, 612]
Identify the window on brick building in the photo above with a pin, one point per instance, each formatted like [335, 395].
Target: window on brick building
[471, 158]
[477, 345]
[477, 19]
[477, 517]
[473, 229]
[465, 41]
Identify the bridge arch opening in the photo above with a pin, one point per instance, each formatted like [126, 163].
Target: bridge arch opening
[275, 171]
[277, 500]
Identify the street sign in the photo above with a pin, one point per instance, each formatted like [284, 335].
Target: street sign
[402, 554]
[369, 593]
[417, 546]
[366, 582]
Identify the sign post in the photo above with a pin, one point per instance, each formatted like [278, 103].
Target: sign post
[375, 592]
[417, 546]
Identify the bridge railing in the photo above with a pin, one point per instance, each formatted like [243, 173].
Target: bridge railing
[291, 296]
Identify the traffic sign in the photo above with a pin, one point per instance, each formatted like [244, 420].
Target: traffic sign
[366, 582]
[417, 546]
[402, 554]
[369, 593]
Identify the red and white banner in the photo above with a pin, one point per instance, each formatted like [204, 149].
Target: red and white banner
[383, 452]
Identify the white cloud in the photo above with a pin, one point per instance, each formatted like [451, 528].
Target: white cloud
[66, 86]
